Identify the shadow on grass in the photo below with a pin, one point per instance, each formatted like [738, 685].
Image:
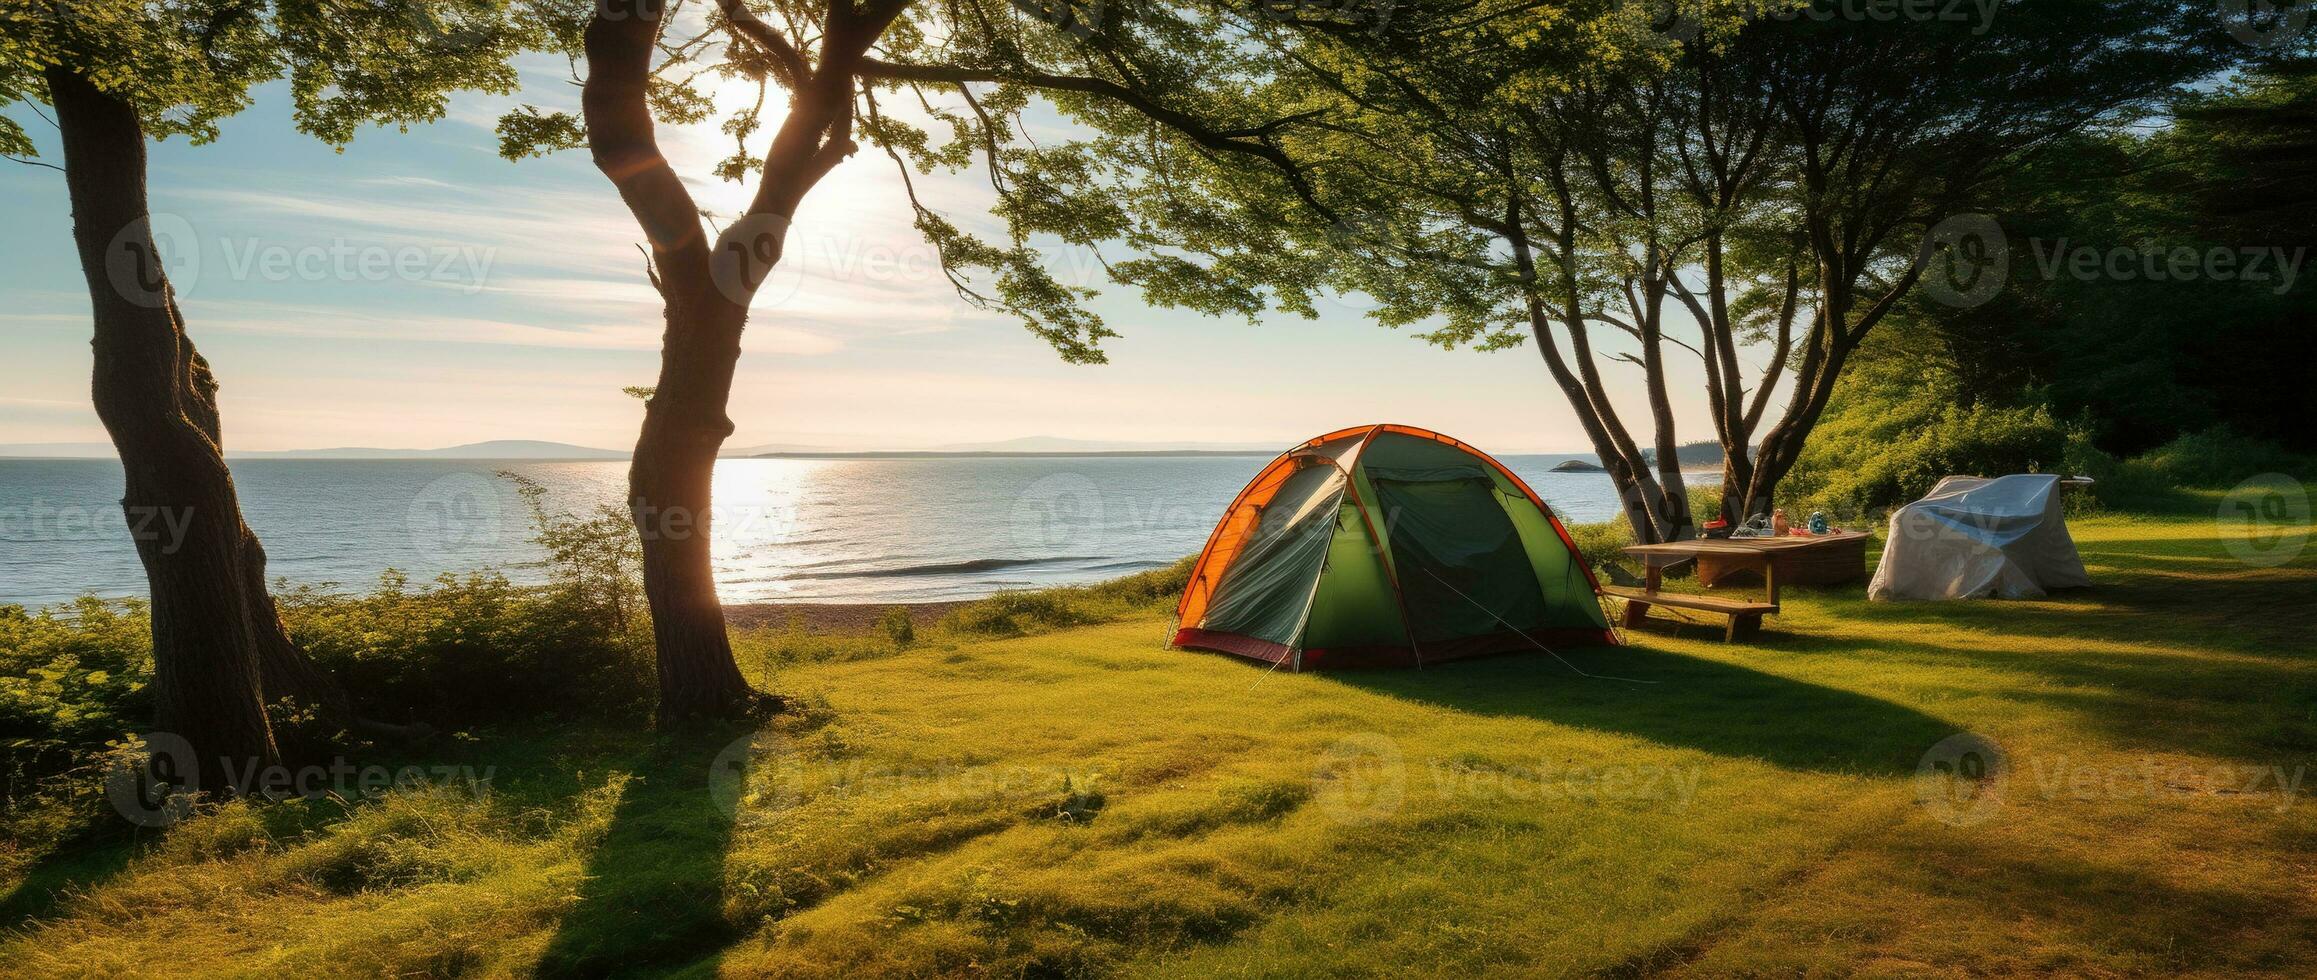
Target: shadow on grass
[653, 896]
[77, 864]
[1693, 703]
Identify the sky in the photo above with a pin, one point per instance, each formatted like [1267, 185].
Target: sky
[417, 291]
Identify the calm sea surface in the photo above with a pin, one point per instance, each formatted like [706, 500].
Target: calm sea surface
[838, 530]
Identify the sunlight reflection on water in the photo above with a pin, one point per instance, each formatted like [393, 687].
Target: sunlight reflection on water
[844, 530]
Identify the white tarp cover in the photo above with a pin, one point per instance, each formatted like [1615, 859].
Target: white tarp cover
[1973, 536]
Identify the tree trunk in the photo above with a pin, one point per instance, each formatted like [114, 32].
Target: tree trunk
[707, 290]
[669, 490]
[673, 471]
[149, 387]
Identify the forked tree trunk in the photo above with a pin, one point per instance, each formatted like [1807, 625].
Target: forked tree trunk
[673, 471]
[707, 290]
[178, 495]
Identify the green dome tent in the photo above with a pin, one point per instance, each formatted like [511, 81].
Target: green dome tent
[1387, 546]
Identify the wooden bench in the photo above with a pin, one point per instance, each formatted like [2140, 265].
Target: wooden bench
[1745, 615]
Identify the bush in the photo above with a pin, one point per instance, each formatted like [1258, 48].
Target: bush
[1023, 613]
[72, 684]
[477, 648]
[473, 649]
[1601, 542]
[2219, 457]
[895, 622]
[70, 679]
[1881, 455]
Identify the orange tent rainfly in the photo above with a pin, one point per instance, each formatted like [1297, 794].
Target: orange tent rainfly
[1382, 546]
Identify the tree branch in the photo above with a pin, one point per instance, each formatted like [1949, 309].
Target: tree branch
[1248, 142]
[790, 62]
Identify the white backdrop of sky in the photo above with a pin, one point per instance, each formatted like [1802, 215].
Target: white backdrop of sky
[418, 291]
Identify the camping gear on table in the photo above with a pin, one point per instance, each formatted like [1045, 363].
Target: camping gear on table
[1833, 558]
[1387, 546]
[1973, 536]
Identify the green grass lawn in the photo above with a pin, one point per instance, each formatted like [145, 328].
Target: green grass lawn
[1087, 801]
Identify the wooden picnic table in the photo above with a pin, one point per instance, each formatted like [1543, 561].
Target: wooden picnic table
[1816, 559]
[1762, 555]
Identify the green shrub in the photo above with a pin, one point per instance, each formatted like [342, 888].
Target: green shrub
[1866, 461]
[763, 649]
[2219, 457]
[594, 561]
[1705, 501]
[474, 649]
[1602, 541]
[70, 679]
[895, 622]
[1023, 613]
[72, 684]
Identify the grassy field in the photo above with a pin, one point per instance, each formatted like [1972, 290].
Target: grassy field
[1086, 801]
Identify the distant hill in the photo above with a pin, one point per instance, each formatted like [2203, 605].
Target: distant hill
[1056, 444]
[56, 450]
[1692, 454]
[494, 449]
[1025, 446]
[776, 449]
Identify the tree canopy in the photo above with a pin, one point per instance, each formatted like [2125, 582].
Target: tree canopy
[186, 64]
[1581, 178]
